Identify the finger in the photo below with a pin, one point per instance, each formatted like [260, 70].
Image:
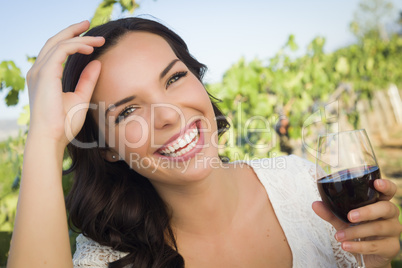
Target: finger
[82, 45]
[387, 247]
[381, 209]
[325, 213]
[56, 58]
[69, 32]
[87, 81]
[382, 228]
[87, 40]
[386, 188]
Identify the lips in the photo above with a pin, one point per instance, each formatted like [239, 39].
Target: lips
[184, 145]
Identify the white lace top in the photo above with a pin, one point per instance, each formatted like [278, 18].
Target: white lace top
[290, 185]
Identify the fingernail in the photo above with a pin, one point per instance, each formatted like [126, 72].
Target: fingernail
[346, 246]
[340, 235]
[380, 183]
[354, 215]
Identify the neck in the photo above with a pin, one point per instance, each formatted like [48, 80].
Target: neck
[205, 207]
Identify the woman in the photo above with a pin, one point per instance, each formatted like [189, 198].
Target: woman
[150, 189]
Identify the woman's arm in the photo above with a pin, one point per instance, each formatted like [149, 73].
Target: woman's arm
[40, 237]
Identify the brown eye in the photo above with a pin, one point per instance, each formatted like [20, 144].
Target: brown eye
[175, 77]
[126, 112]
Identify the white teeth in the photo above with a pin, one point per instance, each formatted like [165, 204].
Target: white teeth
[177, 149]
[187, 138]
[189, 147]
[182, 143]
[192, 135]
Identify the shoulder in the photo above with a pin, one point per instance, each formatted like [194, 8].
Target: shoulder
[91, 254]
[291, 165]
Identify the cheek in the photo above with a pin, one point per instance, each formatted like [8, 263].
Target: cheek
[133, 136]
[199, 97]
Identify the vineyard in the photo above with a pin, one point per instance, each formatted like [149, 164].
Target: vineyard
[358, 86]
[317, 92]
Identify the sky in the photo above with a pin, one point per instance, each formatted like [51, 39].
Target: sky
[217, 32]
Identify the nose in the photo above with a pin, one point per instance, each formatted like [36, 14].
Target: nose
[165, 114]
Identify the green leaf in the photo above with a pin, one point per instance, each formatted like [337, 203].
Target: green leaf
[12, 97]
[11, 75]
[103, 13]
[342, 65]
[370, 64]
[291, 43]
[11, 79]
[24, 117]
[129, 5]
[31, 59]
[16, 183]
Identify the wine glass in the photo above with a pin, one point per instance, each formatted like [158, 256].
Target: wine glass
[346, 168]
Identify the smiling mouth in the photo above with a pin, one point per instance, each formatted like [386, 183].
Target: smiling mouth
[183, 144]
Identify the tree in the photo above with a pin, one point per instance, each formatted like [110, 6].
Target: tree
[12, 80]
[371, 18]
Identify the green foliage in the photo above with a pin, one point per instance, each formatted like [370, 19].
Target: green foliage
[12, 80]
[31, 60]
[297, 86]
[11, 154]
[23, 119]
[5, 238]
[128, 5]
[371, 17]
[104, 11]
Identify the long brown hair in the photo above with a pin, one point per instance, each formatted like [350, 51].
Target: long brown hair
[109, 202]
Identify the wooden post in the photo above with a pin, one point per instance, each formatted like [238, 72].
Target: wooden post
[396, 103]
[382, 128]
[386, 108]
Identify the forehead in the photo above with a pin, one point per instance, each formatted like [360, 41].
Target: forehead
[138, 44]
[137, 57]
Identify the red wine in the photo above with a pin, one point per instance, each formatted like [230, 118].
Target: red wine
[349, 189]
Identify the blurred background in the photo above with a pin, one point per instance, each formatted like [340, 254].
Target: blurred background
[284, 71]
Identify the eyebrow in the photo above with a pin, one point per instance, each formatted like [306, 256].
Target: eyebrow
[130, 98]
[167, 69]
[120, 102]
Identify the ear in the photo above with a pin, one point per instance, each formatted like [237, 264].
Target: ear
[110, 155]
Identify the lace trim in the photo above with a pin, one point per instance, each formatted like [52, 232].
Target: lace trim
[90, 254]
[342, 258]
[291, 188]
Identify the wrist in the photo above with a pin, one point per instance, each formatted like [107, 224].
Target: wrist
[48, 136]
[44, 142]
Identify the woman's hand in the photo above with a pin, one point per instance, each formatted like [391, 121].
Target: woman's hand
[379, 227]
[56, 115]
[41, 213]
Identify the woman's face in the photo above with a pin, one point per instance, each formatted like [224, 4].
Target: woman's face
[153, 112]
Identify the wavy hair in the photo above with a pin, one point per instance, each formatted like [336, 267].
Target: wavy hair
[109, 202]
